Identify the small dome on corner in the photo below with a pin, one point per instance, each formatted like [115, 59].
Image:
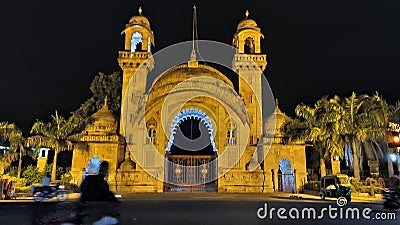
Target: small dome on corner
[103, 121]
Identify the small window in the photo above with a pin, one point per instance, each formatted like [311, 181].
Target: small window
[152, 136]
[231, 139]
[249, 47]
[136, 42]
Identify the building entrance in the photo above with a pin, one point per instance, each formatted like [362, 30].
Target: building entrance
[191, 158]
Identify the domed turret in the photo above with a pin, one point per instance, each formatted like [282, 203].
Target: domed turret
[102, 122]
[247, 36]
[138, 31]
[139, 20]
[278, 119]
[247, 23]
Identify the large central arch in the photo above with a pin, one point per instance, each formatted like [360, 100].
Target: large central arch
[191, 172]
[191, 113]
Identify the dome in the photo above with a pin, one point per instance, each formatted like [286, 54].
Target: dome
[139, 20]
[278, 119]
[247, 24]
[127, 164]
[101, 122]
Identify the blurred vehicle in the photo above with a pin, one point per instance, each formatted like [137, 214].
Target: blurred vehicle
[391, 197]
[336, 186]
[41, 193]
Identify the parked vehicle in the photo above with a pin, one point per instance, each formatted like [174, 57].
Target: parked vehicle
[336, 186]
[391, 197]
[41, 193]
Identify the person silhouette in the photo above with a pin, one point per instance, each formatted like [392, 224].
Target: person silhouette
[46, 179]
[96, 188]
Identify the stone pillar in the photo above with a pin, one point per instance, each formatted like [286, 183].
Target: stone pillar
[276, 178]
[335, 166]
[268, 185]
[41, 163]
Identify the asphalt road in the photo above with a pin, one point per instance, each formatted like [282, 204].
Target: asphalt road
[195, 209]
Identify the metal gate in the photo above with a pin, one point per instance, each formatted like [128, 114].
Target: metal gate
[190, 173]
[285, 182]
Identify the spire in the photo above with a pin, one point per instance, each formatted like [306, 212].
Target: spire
[140, 10]
[194, 35]
[277, 109]
[105, 105]
[247, 13]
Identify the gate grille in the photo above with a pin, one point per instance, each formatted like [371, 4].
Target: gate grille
[190, 173]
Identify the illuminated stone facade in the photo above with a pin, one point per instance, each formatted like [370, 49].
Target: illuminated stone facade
[284, 166]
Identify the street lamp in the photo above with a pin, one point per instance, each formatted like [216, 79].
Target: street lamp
[394, 156]
[396, 139]
[394, 145]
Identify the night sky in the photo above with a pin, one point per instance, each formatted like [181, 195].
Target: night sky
[51, 50]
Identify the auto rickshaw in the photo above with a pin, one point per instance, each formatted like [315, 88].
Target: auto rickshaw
[336, 186]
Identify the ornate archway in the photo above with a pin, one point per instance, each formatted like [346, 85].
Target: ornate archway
[196, 169]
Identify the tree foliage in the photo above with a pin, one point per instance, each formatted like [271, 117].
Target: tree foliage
[320, 126]
[358, 120]
[364, 122]
[102, 86]
[11, 136]
[54, 135]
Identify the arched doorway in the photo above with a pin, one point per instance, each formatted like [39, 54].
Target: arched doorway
[191, 155]
[286, 181]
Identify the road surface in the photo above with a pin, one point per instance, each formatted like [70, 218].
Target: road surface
[207, 209]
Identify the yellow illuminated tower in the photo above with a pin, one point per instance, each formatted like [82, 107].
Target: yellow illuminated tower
[249, 63]
[139, 39]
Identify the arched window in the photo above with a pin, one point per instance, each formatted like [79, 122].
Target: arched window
[152, 136]
[136, 42]
[249, 47]
[231, 137]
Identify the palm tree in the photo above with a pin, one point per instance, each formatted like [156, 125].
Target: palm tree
[5, 131]
[18, 148]
[54, 135]
[320, 126]
[364, 123]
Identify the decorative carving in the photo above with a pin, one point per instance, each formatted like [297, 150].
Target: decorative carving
[151, 123]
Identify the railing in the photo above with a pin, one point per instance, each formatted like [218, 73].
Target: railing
[245, 57]
[136, 55]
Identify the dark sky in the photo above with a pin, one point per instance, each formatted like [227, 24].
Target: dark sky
[51, 50]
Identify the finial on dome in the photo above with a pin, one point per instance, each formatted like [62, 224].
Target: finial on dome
[140, 10]
[106, 101]
[247, 13]
[277, 109]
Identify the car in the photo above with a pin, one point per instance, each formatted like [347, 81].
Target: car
[335, 186]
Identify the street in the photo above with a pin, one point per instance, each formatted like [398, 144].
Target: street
[210, 209]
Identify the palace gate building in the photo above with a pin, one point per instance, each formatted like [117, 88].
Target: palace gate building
[193, 102]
